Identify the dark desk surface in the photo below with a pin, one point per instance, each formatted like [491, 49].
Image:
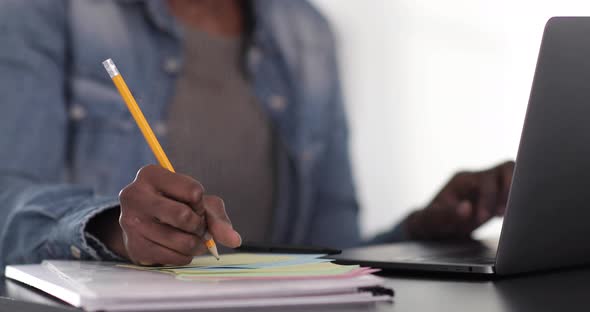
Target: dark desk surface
[557, 291]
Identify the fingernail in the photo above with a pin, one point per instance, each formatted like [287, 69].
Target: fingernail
[240, 237]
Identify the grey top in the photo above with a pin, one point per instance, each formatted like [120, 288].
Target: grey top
[218, 133]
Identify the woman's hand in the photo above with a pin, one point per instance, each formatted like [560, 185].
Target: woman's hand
[467, 201]
[163, 217]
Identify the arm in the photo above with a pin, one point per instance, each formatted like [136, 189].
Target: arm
[40, 217]
[43, 218]
[335, 219]
[335, 222]
[466, 202]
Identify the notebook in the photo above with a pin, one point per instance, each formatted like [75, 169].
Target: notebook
[262, 281]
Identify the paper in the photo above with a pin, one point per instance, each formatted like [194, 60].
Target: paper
[240, 260]
[361, 301]
[284, 277]
[104, 286]
[259, 266]
[303, 269]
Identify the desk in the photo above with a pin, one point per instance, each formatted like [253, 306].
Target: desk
[557, 291]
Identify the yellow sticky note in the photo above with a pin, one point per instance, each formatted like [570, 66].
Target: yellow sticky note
[226, 260]
[238, 259]
[305, 268]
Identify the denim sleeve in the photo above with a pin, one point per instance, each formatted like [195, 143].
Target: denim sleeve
[335, 222]
[336, 212]
[40, 217]
[335, 218]
[48, 222]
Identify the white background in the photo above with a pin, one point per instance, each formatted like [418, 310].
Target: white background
[432, 87]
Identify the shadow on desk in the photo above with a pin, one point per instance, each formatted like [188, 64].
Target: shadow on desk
[564, 290]
[556, 291]
[433, 275]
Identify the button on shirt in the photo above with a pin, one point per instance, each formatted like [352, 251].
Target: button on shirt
[218, 133]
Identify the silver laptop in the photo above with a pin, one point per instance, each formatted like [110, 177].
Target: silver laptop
[547, 222]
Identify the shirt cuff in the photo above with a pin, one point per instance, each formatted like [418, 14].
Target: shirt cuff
[103, 252]
[71, 237]
[397, 234]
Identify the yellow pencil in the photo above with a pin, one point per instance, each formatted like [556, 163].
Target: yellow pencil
[147, 132]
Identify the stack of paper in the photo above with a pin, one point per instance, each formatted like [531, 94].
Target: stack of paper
[260, 266]
[237, 281]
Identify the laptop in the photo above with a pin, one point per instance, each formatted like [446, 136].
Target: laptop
[547, 221]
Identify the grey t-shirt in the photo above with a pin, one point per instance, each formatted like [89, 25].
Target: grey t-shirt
[218, 133]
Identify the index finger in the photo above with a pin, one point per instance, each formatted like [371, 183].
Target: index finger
[175, 186]
[219, 224]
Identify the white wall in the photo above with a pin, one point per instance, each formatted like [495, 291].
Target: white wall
[432, 87]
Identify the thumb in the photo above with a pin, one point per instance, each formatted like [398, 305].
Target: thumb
[218, 223]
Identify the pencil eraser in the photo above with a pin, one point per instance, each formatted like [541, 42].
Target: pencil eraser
[109, 65]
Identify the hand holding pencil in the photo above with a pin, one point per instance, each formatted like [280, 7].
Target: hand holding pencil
[165, 217]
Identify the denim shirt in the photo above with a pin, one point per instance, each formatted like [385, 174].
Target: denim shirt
[68, 143]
